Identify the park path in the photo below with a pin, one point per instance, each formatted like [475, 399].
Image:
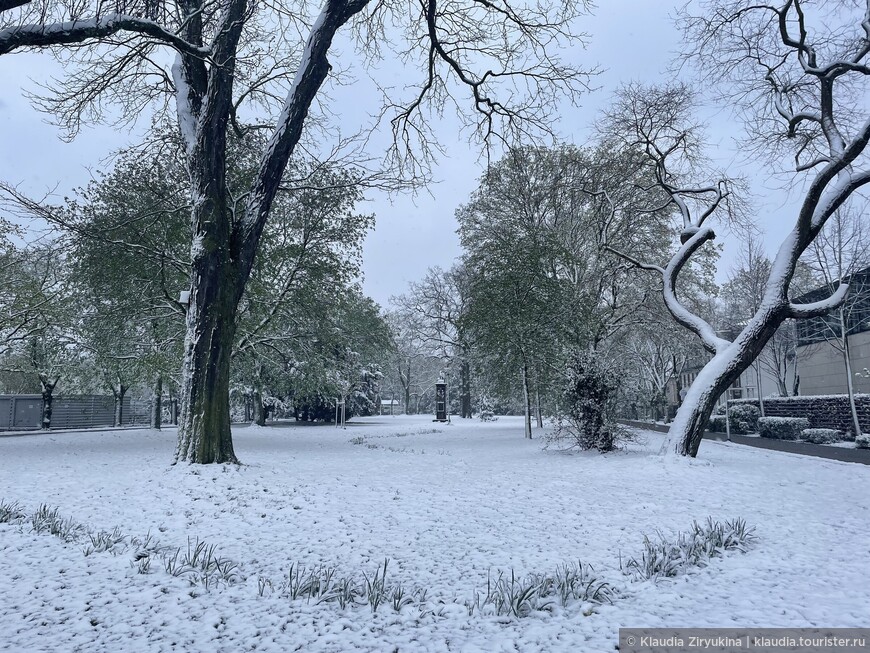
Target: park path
[848, 455]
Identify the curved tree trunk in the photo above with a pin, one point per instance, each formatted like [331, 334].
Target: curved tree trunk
[687, 430]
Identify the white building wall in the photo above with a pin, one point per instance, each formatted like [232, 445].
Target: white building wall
[823, 370]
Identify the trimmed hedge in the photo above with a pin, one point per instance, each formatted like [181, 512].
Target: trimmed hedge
[822, 436]
[782, 428]
[716, 423]
[863, 441]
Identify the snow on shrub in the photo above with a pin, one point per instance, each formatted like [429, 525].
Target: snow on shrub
[717, 423]
[782, 428]
[588, 417]
[822, 436]
[744, 418]
[863, 441]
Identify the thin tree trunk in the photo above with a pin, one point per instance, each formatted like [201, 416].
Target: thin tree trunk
[527, 419]
[259, 416]
[406, 388]
[850, 386]
[465, 388]
[157, 404]
[538, 414]
[758, 387]
[120, 393]
[259, 409]
[47, 399]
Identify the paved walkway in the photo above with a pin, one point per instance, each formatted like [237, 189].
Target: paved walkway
[804, 448]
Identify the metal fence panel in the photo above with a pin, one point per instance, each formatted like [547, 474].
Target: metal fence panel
[5, 412]
[27, 412]
[20, 412]
[82, 411]
[137, 412]
[24, 412]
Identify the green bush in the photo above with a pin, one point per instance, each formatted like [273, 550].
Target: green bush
[782, 428]
[822, 436]
[744, 418]
[588, 405]
[717, 423]
[863, 441]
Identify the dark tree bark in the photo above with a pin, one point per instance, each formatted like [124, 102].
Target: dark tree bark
[527, 402]
[465, 388]
[47, 387]
[405, 380]
[259, 417]
[224, 248]
[6, 5]
[120, 391]
[157, 404]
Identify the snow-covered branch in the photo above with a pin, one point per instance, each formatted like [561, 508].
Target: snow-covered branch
[821, 307]
[78, 31]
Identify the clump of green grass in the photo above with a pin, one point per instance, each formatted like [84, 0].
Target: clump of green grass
[665, 557]
[11, 513]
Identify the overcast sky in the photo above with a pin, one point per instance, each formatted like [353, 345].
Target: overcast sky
[630, 40]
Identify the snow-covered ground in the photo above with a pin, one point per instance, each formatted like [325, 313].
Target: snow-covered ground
[445, 507]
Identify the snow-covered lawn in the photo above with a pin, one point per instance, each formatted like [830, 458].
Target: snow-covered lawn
[445, 507]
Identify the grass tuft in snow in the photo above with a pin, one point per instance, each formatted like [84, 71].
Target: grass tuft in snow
[11, 513]
[102, 541]
[201, 564]
[665, 558]
[520, 597]
[48, 520]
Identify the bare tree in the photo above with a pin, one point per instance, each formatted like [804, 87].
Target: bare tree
[804, 90]
[744, 293]
[433, 312]
[842, 252]
[231, 54]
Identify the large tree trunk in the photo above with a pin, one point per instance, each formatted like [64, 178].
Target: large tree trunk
[157, 403]
[204, 434]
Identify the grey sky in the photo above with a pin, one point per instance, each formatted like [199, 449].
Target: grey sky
[630, 40]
